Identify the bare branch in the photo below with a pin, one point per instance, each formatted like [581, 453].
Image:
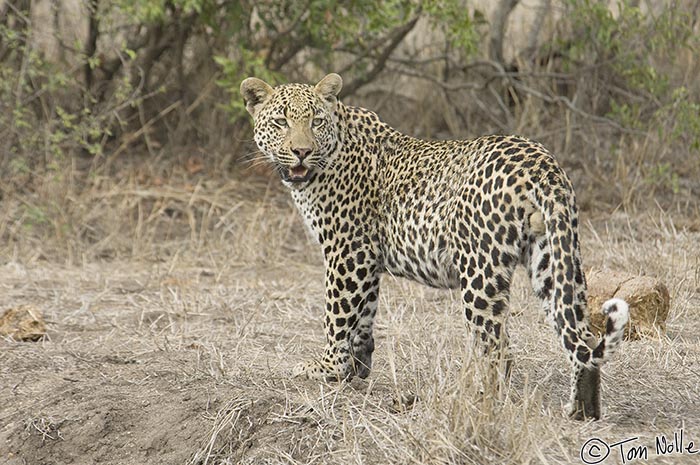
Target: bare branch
[398, 35]
[287, 56]
[442, 84]
[91, 45]
[279, 38]
[555, 99]
[512, 78]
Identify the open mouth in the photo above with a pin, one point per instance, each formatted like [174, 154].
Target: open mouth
[299, 173]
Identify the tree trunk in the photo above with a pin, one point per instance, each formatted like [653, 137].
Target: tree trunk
[498, 29]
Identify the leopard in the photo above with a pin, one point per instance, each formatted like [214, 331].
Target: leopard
[451, 214]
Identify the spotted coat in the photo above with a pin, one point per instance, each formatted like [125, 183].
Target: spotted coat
[449, 214]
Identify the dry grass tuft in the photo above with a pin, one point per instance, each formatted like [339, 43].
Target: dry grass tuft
[48, 428]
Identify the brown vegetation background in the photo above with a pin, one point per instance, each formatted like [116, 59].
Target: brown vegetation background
[179, 287]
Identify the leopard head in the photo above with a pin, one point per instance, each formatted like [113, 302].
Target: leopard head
[295, 125]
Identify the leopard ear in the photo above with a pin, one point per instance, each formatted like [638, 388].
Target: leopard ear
[329, 88]
[255, 93]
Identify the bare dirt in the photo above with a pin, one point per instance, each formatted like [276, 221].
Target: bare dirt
[185, 359]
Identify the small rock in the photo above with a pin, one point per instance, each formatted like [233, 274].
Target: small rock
[647, 297]
[24, 323]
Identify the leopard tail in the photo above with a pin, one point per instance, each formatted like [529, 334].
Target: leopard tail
[568, 293]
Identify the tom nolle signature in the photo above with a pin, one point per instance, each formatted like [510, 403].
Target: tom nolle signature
[596, 450]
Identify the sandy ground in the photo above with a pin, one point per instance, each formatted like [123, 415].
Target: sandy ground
[187, 360]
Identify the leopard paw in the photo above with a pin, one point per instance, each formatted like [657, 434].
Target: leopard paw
[316, 370]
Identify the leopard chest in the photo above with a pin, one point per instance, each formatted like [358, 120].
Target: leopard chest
[336, 212]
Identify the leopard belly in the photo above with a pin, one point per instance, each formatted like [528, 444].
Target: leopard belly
[419, 250]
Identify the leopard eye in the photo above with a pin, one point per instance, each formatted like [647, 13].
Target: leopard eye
[316, 122]
[281, 122]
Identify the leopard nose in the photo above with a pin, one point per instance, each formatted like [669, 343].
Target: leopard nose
[301, 152]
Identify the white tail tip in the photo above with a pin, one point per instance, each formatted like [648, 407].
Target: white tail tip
[618, 311]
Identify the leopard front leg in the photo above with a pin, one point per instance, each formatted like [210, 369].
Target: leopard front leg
[352, 287]
[363, 339]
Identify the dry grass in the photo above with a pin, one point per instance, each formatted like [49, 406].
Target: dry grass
[176, 312]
